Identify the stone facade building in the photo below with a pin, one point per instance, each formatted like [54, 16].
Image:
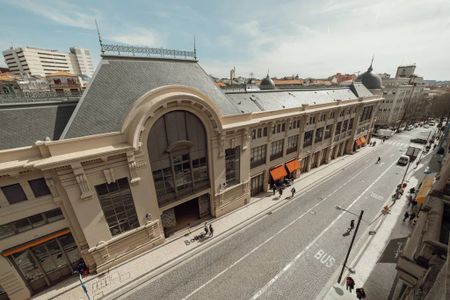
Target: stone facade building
[152, 147]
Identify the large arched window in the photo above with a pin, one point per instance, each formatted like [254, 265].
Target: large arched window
[177, 149]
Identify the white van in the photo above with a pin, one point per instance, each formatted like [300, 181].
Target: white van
[403, 160]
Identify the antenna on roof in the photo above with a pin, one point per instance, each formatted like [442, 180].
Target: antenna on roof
[371, 63]
[195, 50]
[99, 38]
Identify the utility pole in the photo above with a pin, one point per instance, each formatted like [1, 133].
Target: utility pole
[350, 247]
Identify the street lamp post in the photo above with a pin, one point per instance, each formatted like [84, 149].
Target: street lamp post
[350, 247]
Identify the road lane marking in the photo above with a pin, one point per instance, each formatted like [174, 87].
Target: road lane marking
[325, 258]
[273, 236]
[376, 196]
[297, 257]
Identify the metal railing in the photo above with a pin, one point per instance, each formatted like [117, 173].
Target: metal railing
[39, 96]
[116, 49]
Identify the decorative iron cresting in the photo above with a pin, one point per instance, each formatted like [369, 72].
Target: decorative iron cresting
[120, 50]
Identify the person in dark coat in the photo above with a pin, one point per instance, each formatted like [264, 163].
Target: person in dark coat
[412, 216]
[274, 189]
[280, 191]
[360, 293]
[406, 216]
[211, 230]
[349, 283]
[206, 229]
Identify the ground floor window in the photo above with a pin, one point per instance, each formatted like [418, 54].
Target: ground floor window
[257, 184]
[46, 263]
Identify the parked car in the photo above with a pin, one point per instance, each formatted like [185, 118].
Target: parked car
[418, 141]
[403, 160]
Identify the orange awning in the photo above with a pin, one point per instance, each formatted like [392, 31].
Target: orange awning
[293, 166]
[358, 142]
[425, 188]
[278, 173]
[363, 140]
[35, 242]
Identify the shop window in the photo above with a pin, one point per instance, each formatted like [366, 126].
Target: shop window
[39, 187]
[14, 193]
[118, 206]
[232, 165]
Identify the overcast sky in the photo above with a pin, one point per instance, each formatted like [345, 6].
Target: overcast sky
[310, 38]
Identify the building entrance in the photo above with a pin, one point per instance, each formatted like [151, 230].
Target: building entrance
[187, 214]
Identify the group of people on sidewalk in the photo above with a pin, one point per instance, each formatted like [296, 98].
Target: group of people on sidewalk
[350, 285]
[280, 191]
[412, 210]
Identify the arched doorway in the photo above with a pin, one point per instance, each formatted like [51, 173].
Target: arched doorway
[177, 147]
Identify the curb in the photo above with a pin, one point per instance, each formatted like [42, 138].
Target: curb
[225, 234]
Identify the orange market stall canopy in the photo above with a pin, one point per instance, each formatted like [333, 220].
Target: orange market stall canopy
[424, 189]
[278, 173]
[293, 166]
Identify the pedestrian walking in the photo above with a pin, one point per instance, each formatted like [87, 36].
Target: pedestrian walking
[412, 216]
[206, 229]
[406, 216]
[352, 224]
[293, 192]
[280, 192]
[350, 284]
[211, 230]
[274, 189]
[379, 160]
[360, 293]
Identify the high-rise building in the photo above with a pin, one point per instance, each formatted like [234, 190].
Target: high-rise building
[42, 62]
[81, 61]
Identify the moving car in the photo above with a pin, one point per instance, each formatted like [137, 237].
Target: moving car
[418, 141]
[403, 160]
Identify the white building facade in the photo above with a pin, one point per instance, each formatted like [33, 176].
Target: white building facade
[42, 62]
[81, 61]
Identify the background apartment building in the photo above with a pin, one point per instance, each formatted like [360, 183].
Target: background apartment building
[42, 62]
[402, 97]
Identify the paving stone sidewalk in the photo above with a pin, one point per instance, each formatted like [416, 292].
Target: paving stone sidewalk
[178, 248]
[374, 276]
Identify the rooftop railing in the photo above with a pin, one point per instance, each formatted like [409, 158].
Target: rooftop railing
[39, 96]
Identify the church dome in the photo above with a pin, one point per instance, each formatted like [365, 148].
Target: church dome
[370, 80]
[267, 83]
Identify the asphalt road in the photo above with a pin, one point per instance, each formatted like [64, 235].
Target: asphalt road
[293, 252]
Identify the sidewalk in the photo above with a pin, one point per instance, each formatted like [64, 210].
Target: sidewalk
[178, 248]
[374, 276]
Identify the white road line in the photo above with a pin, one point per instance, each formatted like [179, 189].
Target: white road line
[273, 236]
[291, 263]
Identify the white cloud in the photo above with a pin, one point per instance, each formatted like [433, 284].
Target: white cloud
[61, 12]
[137, 36]
[337, 36]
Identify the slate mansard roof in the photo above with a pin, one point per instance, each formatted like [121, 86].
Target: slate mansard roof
[120, 81]
[23, 125]
[248, 102]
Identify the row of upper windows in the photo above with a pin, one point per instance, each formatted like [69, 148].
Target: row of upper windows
[31, 222]
[14, 193]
